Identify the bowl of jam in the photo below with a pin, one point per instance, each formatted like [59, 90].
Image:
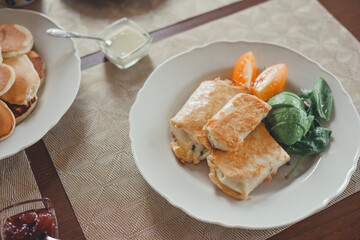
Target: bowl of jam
[30, 220]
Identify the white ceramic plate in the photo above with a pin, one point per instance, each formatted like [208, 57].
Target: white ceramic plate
[276, 203]
[63, 74]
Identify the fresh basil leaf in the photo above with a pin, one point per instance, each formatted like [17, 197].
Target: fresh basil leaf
[323, 99]
[315, 141]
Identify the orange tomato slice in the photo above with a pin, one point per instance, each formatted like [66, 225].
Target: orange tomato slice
[245, 70]
[269, 82]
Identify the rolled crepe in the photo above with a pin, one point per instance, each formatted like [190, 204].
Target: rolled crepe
[257, 160]
[190, 141]
[227, 129]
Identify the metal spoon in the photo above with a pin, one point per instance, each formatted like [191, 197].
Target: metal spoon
[66, 34]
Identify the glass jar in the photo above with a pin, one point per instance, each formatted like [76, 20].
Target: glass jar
[130, 43]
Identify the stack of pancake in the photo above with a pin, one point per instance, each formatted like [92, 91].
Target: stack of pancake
[22, 73]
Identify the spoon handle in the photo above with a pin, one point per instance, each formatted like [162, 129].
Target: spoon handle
[66, 34]
[50, 238]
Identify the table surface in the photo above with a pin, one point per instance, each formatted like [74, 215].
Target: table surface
[339, 221]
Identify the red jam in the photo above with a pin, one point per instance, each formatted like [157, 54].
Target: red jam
[30, 225]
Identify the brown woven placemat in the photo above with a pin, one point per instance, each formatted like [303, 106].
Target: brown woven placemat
[17, 182]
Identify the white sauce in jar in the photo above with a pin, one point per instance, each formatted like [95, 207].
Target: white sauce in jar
[125, 41]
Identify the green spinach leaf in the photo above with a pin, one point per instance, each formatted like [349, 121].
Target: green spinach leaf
[315, 141]
[323, 99]
[286, 99]
[289, 114]
[296, 165]
[306, 97]
[287, 133]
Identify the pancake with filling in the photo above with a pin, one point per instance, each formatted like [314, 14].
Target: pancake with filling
[190, 143]
[21, 112]
[15, 39]
[39, 65]
[7, 78]
[227, 129]
[26, 83]
[255, 161]
[7, 121]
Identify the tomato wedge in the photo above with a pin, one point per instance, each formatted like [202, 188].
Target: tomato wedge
[245, 70]
[269, 82]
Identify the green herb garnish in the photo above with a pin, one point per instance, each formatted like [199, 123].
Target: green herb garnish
[323, 99]
[294, 120]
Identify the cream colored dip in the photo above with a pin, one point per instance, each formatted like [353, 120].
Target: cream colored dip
[125, 41]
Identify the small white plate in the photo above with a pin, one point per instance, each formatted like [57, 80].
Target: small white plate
[62, 80]
[273, 204]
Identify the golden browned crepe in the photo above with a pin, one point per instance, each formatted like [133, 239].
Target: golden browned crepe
[238, 173]
[26, 83]
[7, 121]
[7, 78]
[39, 65]
[15, 39]
[21, 112]
[229, 127]
[190, 141]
